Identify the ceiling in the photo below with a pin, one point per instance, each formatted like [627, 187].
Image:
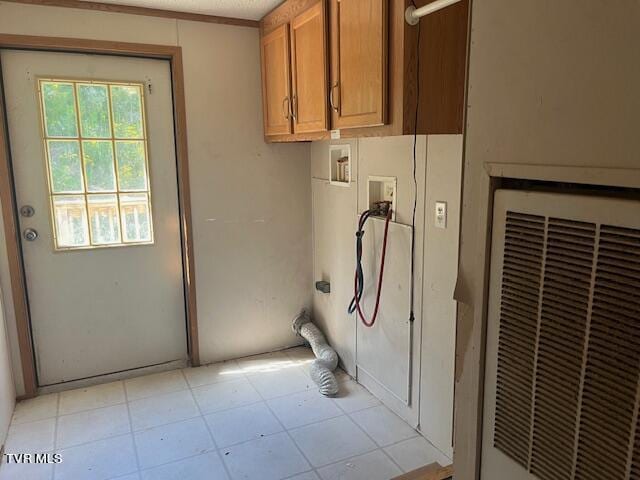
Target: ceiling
[247, 9]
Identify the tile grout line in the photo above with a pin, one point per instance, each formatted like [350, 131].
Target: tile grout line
[56, 417]
[247, 377]
[171, 462]
[269, 434]
[101, 439]
[12, 423]
[291, 477]
[133, 432]
[285, 430]
[377, 446]
[372, 439]
[172, 422]
[360, 455]
[140, 430]
[55, 433]
[203, 414]
[348, 414]
[358, 410]
[219, 449]
[190, 389]
[126, 475]
[168, 392]
[314, 469]
[133, 437]
[421, 437]
[385, 453]
[380, 447]
[91, 409]
[436, 448]
[187, 386]
[206, 424]
[73, 413]
[345, 413]
[383, 448]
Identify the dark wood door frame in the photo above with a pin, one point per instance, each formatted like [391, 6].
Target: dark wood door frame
[8, 198]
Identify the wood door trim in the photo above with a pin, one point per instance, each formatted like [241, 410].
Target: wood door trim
[145, 11]
[7, 188]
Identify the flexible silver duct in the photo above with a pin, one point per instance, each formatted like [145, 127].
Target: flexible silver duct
[326, 357]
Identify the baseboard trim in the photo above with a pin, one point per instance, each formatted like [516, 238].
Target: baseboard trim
[112, 377]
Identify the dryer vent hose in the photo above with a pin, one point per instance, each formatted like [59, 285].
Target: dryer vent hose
[326, 357]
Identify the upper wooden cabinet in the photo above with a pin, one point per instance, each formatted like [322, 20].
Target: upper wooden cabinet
[366, 80]
[309, 70]
[358, 63]
[295, 73]
[276, 83]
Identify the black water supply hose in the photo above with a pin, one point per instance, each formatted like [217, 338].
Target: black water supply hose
[359, 275]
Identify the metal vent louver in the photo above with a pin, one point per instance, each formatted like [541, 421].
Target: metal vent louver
[523, 256]
[568, 355]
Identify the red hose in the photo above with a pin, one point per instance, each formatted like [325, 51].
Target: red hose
[384, 253]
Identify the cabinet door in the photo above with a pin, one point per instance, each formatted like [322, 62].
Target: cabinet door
[358, 63]
[276, 84]
[309, 70]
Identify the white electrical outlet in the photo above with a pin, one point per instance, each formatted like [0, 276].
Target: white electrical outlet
[441, 215]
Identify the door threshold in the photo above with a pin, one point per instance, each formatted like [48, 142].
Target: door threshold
[112, 377]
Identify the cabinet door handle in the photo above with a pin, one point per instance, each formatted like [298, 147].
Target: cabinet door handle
[333, 107]
[294, 108]
[287, 109]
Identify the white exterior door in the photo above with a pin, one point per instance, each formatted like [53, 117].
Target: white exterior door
[94, 164]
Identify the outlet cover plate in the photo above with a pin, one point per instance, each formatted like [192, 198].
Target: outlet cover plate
[440, 220]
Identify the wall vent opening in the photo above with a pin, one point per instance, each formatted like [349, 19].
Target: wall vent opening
[567, 391]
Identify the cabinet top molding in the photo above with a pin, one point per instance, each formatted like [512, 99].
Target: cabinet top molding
[284, 13]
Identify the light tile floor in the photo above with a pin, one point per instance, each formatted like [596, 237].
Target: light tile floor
[256, 418]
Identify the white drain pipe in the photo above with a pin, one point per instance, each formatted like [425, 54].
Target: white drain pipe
[326, 357]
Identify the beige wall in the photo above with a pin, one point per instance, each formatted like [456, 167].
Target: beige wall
[551, 84]
[7, 390]
[444, 182]
[334, 223]
[335, 211]
[250, 201]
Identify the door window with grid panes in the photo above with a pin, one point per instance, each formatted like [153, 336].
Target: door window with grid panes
[97, 163]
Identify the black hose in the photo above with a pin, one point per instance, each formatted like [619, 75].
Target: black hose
[359, 273]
